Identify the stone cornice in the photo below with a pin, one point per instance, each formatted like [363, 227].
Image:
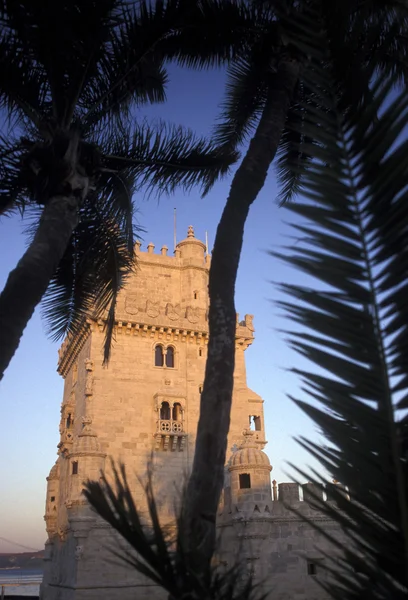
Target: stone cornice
[169, 333]
[251, 465]
[86, 453]
[71, 347]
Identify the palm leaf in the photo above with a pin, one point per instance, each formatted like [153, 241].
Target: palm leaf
[246, 91]
[207, 33]
[353, 227]
[12, 188]
[94, 269]
[156, 551]
[163, 157]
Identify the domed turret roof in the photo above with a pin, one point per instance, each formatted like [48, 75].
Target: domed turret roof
[87, 441]
[249, 454]
[191, 238]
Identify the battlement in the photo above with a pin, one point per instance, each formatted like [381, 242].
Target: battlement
[310, 493]
[166, 299]
[288, 502]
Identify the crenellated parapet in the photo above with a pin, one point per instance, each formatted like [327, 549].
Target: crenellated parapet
[150, 312]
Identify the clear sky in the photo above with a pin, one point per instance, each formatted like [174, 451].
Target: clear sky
[31, 391]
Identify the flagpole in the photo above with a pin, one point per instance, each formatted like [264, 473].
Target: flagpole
[175, 236]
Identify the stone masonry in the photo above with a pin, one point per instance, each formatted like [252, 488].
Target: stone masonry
[144, 407]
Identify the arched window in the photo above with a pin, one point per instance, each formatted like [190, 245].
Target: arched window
[158, 356]
[177, 412]
[68, 421]
[170, 357]
[195, 295]
[165, 411]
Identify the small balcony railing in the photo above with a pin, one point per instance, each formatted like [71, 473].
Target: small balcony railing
[168, 426]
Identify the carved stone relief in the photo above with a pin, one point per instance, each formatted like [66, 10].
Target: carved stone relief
[89, 384]
[89, 378]
[173, 311]
[192, 314]
[152, 309]
[131, 303]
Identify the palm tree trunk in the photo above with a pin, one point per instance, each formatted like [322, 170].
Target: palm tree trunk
[28, 282]
[207, 477]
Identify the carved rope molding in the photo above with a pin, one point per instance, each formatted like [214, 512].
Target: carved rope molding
[71, 347]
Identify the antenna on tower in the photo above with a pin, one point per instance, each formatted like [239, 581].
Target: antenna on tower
[206, 243]
[175, 235]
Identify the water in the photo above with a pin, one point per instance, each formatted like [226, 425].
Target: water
[31, 578]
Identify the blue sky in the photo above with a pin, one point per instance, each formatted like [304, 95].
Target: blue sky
[31, 392]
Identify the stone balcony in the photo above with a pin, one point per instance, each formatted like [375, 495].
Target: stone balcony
[170, 435]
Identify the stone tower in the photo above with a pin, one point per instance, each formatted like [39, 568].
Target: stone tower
[146, 401]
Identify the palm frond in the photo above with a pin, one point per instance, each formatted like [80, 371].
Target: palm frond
[249, 78]
[117, 189]
[132, 72]
[66, 42]
[208, 33]
[12, 185]
[290, 161]
[157, 551]
[164, 157]
[94, 269]
[23, 84]
[245, 97]
[353, 225]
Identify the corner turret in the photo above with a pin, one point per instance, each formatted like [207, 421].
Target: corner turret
[250, 478]
[190, 250]
[87, 460]
[51, 504]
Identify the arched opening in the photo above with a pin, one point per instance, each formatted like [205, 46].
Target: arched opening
[170, 357]
[177, 412]
[68, 421]
[158, 356]
[195, 295]
[75, 467]
[165, 411]
[200, 352]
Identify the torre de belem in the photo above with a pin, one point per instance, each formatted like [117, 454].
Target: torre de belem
[145, 406]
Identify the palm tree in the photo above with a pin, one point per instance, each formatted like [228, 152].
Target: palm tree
[71, 78]
[274, 90]
[353, 240]
[353, 222]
